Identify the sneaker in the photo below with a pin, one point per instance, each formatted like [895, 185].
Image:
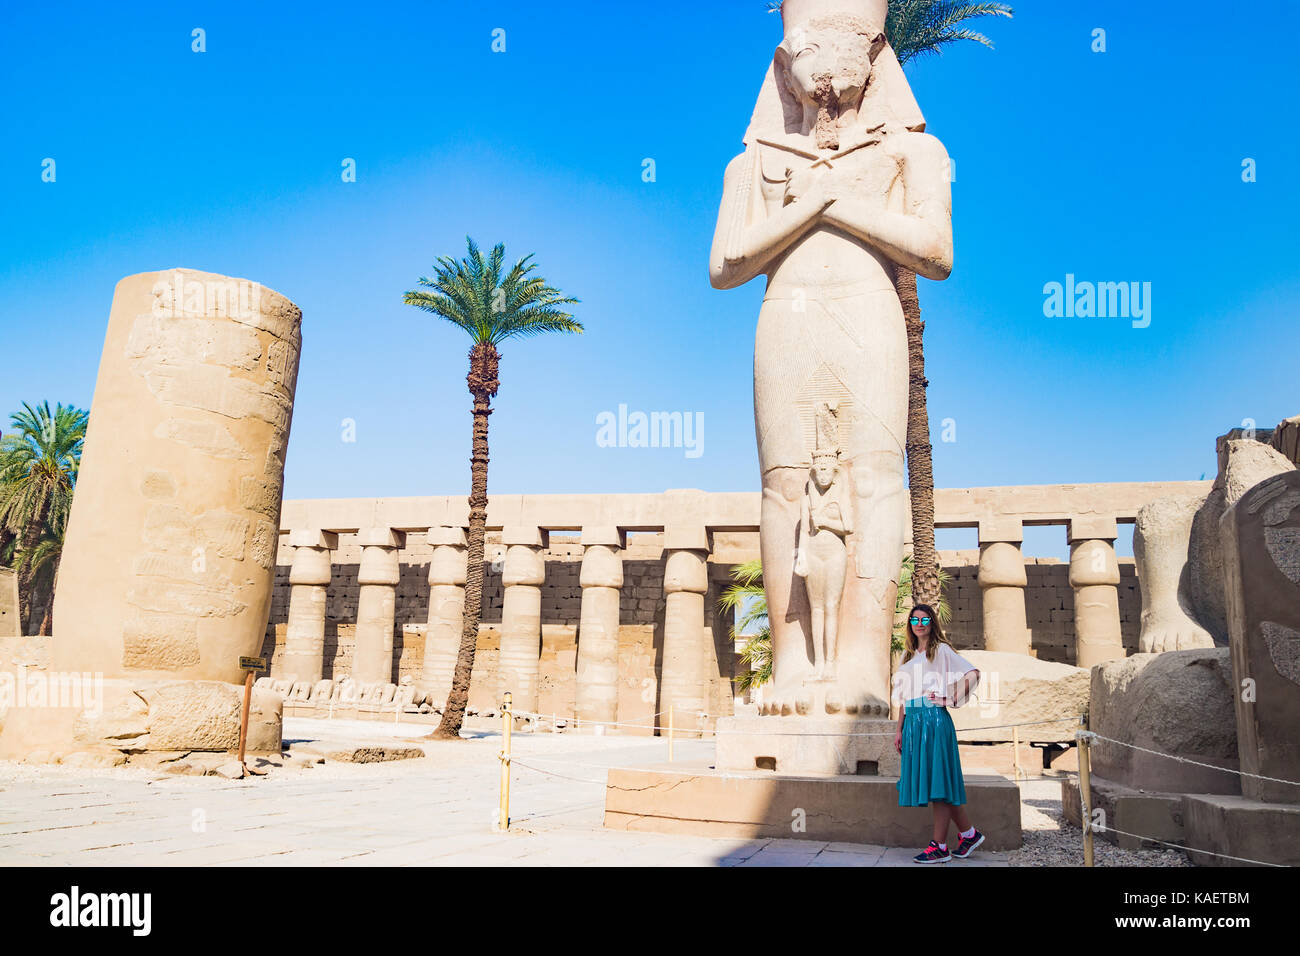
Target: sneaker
[932, 854]
[968, 844]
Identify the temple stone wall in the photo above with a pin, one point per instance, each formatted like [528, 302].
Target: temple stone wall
[1049, 605]
[1049, 602]
[357, 568]
[641, 613]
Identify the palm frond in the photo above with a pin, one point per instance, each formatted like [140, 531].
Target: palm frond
[491, 304]
[924, 27]
[39, 464]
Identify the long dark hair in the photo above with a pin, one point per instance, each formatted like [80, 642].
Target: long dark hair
[937, 636]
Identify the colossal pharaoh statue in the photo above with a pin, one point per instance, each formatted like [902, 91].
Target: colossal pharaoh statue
[838, 185]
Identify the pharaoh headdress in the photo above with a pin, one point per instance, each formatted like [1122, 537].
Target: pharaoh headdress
[826, 449]
[826, 438]
[887, 99]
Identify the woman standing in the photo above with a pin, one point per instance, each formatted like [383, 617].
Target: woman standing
[932, 677]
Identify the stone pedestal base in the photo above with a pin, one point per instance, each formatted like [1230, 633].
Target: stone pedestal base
[808, 745]
[1155, 815]
[702, 801]
[1224, 824]
[1241, 827]
[53, 718]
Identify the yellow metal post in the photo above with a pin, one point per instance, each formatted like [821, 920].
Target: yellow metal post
[506, 720]
[1085, 794]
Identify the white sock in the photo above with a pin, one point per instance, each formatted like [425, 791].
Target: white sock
[943, 846]
[966, 835]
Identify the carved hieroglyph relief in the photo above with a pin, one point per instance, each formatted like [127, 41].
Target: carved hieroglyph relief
[174, 530]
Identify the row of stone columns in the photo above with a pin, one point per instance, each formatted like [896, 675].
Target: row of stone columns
[1002, 579]
[522, 575]
[309, 578]
[1094, 576]
[601, 579]
[447, 571]
[683, 684]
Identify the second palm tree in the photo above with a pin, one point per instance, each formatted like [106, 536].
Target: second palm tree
[478, 296]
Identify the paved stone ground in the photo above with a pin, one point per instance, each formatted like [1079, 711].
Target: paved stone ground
[437, 810]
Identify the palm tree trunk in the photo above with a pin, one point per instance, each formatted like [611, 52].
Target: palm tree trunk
[47, 619]
[920, 467]
[453, 713]
[26, 573]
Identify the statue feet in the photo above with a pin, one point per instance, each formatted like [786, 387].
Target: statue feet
[786, 705]
[871, 706]
[1171, 631]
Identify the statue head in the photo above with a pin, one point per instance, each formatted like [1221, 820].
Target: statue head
[826, 63]
[834, 56]
[825, 465]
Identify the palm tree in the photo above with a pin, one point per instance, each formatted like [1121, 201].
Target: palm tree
[38, 472]
[473, 295]
[41, 563]
[903, 601]
[919, 28]
[748, 597]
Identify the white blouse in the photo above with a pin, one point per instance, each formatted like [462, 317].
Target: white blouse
[919, 676]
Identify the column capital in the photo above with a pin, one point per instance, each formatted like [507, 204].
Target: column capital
[381, 538]
[1001, 565]
[444, 535]
[525, 534]
[1092, 528]
[314, 538]
[1000, 528]
[1093, 562]
[608, 535]
[688, 537]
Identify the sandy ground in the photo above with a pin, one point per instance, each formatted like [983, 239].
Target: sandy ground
[440, 809]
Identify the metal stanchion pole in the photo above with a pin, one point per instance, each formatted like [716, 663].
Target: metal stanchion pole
[1015, 750]
[1085, 792]
[503, 821]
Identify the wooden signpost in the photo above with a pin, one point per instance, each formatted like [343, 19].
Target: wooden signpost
[251, 665]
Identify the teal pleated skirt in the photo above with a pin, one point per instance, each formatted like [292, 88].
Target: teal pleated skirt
[931, 765]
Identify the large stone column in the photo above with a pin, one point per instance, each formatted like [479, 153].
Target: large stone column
[601, 579]
[447, 572]
[1094, 575]
[169, 559]
[309, 578]
[521, 614]
[1002, 579]
[683, 682]
[372, 659]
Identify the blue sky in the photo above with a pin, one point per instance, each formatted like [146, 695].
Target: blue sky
[1117, 166]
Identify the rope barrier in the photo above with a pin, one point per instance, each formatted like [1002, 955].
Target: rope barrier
[574, 763]
[1241, 773]
[777, 733]
[552, 773]
[1184, 849]
[1082, 736]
